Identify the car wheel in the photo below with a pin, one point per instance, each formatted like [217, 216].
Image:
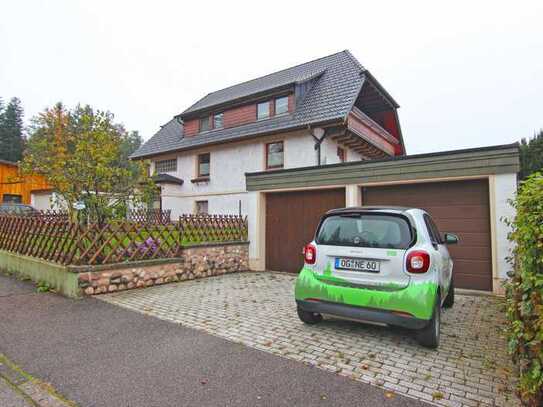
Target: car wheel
[309, 317]
[449, 299]
[429, 335]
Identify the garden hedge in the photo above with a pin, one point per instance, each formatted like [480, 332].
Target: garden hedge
[525, 291]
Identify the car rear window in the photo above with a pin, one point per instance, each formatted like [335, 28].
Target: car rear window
[365, 230]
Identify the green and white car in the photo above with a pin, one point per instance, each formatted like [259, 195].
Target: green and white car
[386, 265]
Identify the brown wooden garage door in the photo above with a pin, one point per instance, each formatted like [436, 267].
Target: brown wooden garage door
[291, 219]
[460, 207]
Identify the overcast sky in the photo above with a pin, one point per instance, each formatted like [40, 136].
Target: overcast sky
[465, 73]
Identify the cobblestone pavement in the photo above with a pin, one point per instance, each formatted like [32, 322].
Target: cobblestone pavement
[470, 368]
[18, 389]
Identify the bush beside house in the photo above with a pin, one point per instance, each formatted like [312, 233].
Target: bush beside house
[525, 291]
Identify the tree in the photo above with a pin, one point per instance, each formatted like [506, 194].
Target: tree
[531, 155]
[11, 131]
[129, 145]
[80, 154]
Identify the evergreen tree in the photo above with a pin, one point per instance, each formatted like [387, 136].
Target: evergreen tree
[531, 155]
[11, 131]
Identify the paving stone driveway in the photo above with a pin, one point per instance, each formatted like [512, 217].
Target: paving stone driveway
[470, 368]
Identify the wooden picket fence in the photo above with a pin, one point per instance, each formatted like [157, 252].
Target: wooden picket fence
[52, 215]
[58, 240]
[213, 228]
[153, 216]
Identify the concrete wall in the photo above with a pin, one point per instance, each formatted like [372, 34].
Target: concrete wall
[56, 276]
[503, 187]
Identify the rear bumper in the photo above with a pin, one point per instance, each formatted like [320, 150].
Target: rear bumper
[415, 301]
[362, 314]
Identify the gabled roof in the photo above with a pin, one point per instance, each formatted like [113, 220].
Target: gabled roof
[337, 80]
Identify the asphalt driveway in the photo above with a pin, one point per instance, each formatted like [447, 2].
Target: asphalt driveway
[470, 368]
[99, 354]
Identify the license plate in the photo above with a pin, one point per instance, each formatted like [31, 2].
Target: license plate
[368, 265]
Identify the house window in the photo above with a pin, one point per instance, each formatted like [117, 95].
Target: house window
[341, 154]
[263, 110]
[164, 166]
[156, 200]
[274, 155]
[204, 124]
[201, 207]
[281, 105]
[218, 121]
[203, 165]
[12, 198]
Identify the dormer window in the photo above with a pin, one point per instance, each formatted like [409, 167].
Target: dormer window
[218, 121]
[204, 124]
[281, 105]
[263, 110]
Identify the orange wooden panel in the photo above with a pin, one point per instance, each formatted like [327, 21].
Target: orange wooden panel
[13, 183]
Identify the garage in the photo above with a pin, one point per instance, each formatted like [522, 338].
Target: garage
[467, 192]
[460, 207]
[291, 219]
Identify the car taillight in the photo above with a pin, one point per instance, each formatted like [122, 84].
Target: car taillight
[418, 261]
[310, 254]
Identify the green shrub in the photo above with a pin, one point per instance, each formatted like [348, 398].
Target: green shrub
[525, 291]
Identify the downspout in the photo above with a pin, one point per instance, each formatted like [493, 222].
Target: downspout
[318, 140]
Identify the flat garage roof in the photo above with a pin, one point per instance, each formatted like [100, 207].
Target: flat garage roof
[502, 159]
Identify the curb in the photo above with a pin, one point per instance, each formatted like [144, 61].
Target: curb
[28, 390]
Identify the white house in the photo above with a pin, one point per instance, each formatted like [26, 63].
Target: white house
[331, 106]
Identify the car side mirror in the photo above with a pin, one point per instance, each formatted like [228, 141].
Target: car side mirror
[451, 238]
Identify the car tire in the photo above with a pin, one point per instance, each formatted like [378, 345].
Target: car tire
[449, 299]
[309, 318]
[429, 335]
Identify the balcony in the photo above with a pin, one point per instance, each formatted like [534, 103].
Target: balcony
[366, 137]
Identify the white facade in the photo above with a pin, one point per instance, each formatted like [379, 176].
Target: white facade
[41, 200]
[503, 188]
[225, 191]
[46, 200]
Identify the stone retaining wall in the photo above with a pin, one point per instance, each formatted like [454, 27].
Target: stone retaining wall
[76, 281]
[195, 262]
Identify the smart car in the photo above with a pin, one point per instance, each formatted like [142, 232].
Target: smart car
[385, 265]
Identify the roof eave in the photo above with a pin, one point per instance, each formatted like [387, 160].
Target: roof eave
[381, 89]
[240, 138]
